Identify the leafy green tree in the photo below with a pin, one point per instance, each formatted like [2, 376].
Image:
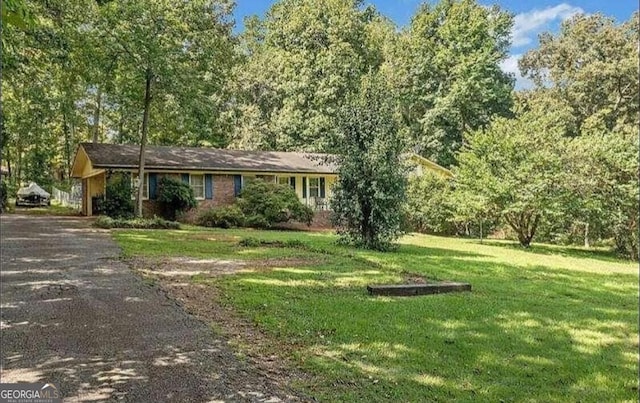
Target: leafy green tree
[42, 89]
[514, 167]
[174, 55]
[590, 69]
[450, 81]
[16, 12]
[429, 207]
[4, 194]
[604, 185]
[369, 194]
[301, 62]
[472, 213]
[592, 65]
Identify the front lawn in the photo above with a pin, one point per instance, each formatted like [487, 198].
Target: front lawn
[547, 324]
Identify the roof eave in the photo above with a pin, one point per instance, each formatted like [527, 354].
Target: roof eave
[211, 169]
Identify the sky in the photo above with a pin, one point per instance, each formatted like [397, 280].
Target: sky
[531, 18]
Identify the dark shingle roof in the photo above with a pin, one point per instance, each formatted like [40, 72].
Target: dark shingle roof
[205, 159]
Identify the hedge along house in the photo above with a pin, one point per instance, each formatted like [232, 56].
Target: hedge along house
[215, 175]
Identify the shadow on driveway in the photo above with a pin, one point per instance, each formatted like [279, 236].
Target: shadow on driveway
[74, 315]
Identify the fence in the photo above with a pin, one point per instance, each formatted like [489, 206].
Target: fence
[70, 199]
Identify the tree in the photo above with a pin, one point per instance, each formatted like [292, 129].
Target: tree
[590, 69]
[429, 207]
[302, 61]
[515, 167]
[173, 54]
[591, 64]
[370, 191]
[43, 89]
[16, 12]
[604, 187]
[450, 79]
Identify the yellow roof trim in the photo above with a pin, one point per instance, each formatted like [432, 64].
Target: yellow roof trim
[431, 165]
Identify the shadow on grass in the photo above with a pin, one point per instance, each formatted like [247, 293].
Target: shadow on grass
[547, 334]
[559, 250]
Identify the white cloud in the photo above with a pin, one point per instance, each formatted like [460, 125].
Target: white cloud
[526, 26]
[510, 65]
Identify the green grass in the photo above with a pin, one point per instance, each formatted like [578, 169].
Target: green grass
[55, 209]
[547, 324]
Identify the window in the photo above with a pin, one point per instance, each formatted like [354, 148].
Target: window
[145, 185]
[197, 184]
[175, 177]
[287, 180]
[314, 187]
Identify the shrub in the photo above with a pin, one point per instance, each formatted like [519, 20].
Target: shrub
[370, 191]
[265, 204]
[117, 201]
[12, 189]
[136, 223]
[3, 196]
[250, 242]
[428, 205]
[289, 243]
[222, 217]
[174, 196]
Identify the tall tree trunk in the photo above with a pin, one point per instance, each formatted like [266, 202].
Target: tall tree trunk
[143, 140]
[96, 115]
[121, 128]
[586, 235]
[481, 230]
[19, 166]
[67, 143]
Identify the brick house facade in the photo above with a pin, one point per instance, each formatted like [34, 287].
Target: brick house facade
[216, 176]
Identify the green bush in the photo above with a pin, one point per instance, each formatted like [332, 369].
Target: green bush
[3, 196]
[429, 208]
[222, 217]
[265, 204]
[174, 196]
[289, 243]
[250, 242]
[117, 201]
[136, 223]
[12, 189]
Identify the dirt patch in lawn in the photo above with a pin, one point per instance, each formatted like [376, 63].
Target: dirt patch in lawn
[214, 237]
[186, 267]
[415, 278]
[173, 277]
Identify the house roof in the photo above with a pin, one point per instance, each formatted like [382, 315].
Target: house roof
[205, 159]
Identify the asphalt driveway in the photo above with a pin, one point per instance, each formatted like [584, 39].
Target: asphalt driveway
[74, 315]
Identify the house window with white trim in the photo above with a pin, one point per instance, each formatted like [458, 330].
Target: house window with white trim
[197, 184]
[287, 180]
[314, 187]
[145, 185]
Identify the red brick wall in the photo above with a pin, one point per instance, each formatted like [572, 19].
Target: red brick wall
[223, 190]
[150, 208]
[223, 195]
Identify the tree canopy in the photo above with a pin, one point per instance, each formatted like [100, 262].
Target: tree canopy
[556, 161]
